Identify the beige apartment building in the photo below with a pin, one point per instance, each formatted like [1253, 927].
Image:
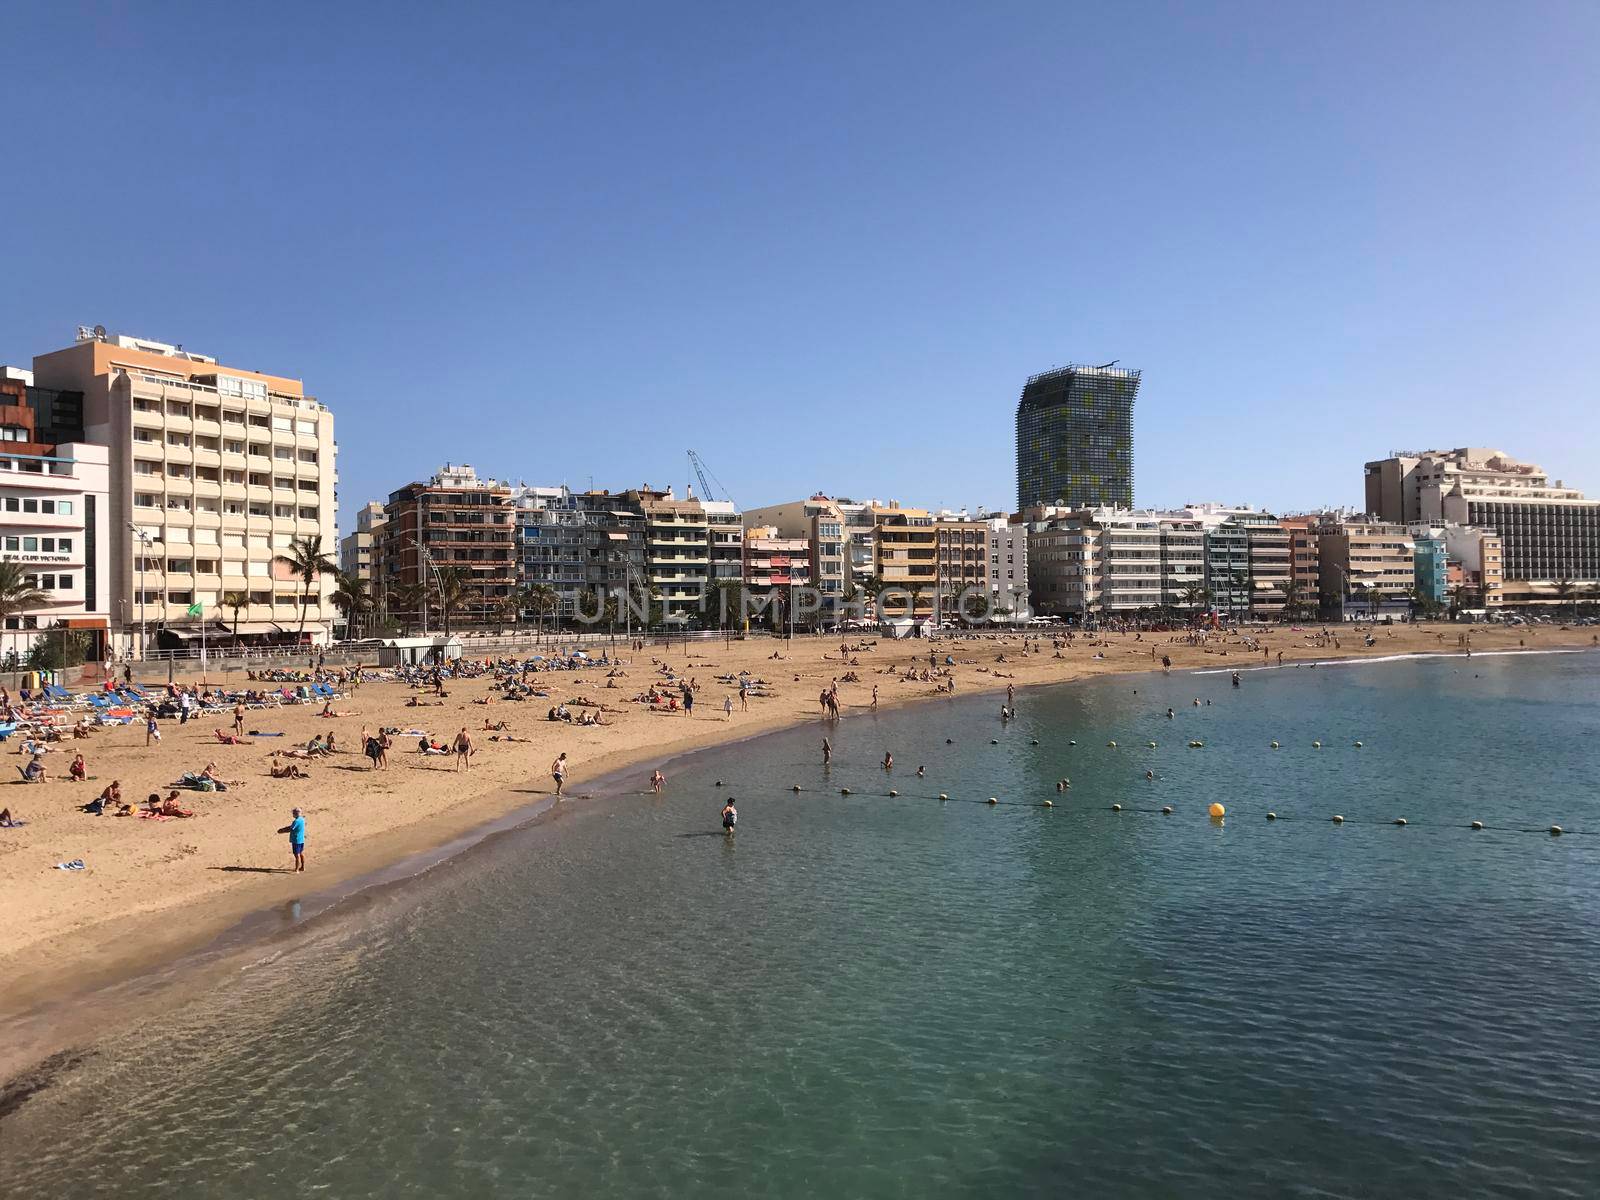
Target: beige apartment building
[214, 471]
[1367, 568]
[690, 546]
[820, 521]
[356, 550]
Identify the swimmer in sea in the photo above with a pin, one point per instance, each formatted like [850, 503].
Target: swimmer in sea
[888, 761]
[730, 817]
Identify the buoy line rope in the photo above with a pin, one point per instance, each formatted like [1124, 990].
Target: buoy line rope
[1084, 807]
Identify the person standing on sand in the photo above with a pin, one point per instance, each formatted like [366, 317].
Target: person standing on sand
[296, 829]
[238, 719]
[727, 708]
[558, 770]
[463, 750]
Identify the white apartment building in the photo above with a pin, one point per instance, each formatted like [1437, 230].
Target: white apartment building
[1008, 567]
[214, 470]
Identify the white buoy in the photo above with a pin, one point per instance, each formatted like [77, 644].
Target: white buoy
[1556, 831]
[1477, 825]
[942, 796]
[1274, 745]
[1167, 809]
[1316, 745]
[1049, 803]
[844, 791]
[1337, 819]
[892, 792]
[1111, 745]
[993, 800]
[1152, 745]
[797, 787]
[1116, 808]
[1358, 745]
[1399, 820]
[1272, 816]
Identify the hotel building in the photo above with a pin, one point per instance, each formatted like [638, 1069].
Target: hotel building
[1075, 438]
[690, 546]
[821, 522]
[1550, 533]
[455, 521]
[356, 548]
[53, 504]
[214, 470]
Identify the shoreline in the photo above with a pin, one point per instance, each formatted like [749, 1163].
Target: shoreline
[51, 1004]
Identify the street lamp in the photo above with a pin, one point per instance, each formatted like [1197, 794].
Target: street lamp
[146, 540]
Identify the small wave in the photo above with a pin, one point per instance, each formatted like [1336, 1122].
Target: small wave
[1383, 658]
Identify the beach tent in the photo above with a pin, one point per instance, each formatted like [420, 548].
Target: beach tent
[414, 651]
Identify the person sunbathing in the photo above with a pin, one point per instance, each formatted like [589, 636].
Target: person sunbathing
[487, 724]
[293, 752]
[287, 771]
[171, 808]
[316, 748]
[231, 739]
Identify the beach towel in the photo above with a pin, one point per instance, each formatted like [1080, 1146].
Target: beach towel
[261, 733]
[75, 865]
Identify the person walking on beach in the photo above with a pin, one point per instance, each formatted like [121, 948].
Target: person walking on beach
[463, 750]
[874, 696]
[727, 708]
[296, 829]
[558, 770]
[152, 731]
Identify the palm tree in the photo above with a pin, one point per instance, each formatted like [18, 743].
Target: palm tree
[352, 598]
[539, 599]
[1374, 598]
[17, 592]
[508, 610]
[307, 560]
[1195, 597]
[1565, 588]
[1292, 587]
[235, 601]
[408, 599]
[452, 584]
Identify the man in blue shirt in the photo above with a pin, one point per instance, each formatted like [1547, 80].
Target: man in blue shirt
[296, 829]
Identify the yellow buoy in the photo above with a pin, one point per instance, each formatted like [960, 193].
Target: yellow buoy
[1216, 810]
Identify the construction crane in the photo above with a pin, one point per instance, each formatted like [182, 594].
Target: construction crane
[701, 471]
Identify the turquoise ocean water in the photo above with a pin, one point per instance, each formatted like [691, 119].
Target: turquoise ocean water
[872, 996]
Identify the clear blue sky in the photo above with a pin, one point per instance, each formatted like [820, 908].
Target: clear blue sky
[824, 244]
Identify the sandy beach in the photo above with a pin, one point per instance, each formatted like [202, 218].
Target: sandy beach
[152, 889]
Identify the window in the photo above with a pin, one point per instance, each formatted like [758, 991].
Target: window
[30, 545]
[64, 582]
[258, 448]
[13, 544]
[30, 506]
[13, 433]
[181, 566]
[282, 484]
[260, 597]
[64, 545]
[178, 439]
[307, 427]
[308, 456]
[144, 500]
[283, 452]
[308, 514]
[282, 424]
[64, 507]
[205, 566]
[206, 443]
[259, 422]
[48, 545]
[233, 416]
[232, 446]
[232, 508]
[206, 412]
[283, 511]
[145, 435]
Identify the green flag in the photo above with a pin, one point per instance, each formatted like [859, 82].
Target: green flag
[197, 610]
